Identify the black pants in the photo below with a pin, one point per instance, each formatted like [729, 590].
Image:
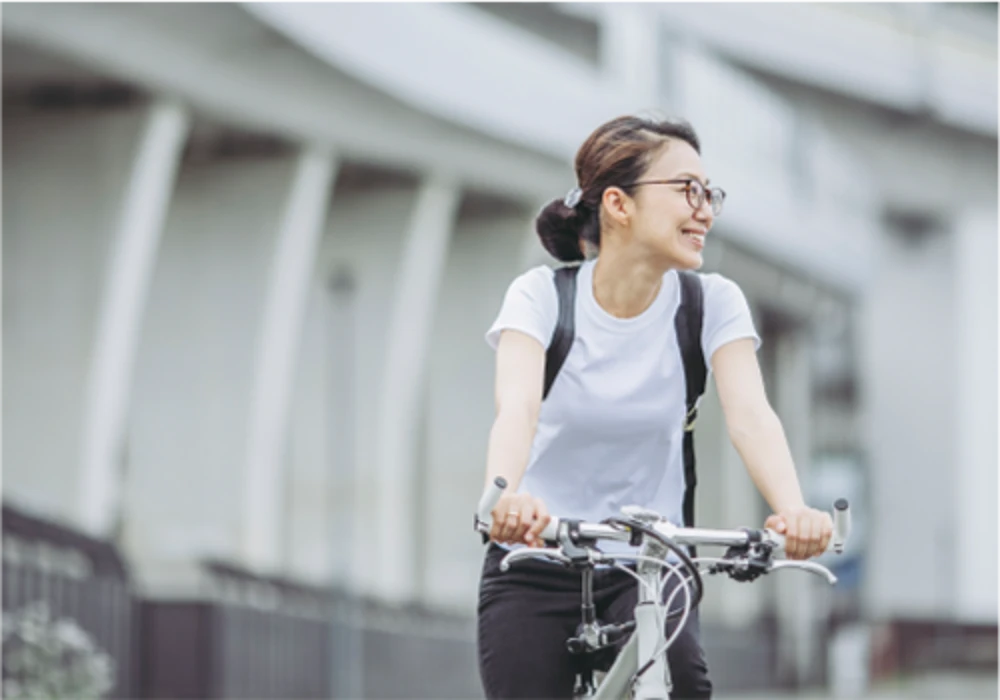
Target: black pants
[527, 614]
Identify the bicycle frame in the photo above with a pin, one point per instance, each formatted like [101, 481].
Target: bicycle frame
[615, 684]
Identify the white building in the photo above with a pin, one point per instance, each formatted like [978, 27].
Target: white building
[250, 251]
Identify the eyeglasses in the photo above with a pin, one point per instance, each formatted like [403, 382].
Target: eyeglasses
[696, 193]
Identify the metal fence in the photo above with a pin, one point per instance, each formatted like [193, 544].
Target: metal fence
[244, 636]
[77, 577]
[251, 637]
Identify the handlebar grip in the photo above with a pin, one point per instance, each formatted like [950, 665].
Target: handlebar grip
[491, 495]
[551, 531]
[841, 524]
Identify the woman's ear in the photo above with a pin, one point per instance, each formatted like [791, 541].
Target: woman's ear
[618, 206]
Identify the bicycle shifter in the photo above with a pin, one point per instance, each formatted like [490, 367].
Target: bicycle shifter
[749, 562]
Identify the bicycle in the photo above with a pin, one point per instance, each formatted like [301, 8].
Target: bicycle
[640, 670]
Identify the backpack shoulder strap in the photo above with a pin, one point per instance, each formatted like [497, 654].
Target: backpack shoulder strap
[562, 337]
[688, 323]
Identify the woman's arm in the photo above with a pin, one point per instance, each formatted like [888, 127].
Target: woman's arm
[520, 370]
[757, 434]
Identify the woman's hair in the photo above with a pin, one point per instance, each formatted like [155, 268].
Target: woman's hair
[618, 152]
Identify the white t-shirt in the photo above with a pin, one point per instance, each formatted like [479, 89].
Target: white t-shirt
[610, 433]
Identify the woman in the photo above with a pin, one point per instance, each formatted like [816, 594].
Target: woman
[610, 431]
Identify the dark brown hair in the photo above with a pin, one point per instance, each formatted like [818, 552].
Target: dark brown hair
[619, 151]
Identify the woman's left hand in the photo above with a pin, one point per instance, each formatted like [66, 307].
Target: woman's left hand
[807, 531]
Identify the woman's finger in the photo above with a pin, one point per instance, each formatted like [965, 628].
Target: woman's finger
[815, 533]
[508, 525]
[541, 520]
[794, 545]
[807, 524]
[497, 527]
[790, 538]
[526, 518]
[501, 526]
[825, 533]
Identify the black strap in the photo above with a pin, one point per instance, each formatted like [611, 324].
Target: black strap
[687, 322]
[562, 337]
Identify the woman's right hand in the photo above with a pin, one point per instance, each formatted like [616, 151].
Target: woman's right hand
[519, 518]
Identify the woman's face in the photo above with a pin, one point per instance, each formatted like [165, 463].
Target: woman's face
[663, 219]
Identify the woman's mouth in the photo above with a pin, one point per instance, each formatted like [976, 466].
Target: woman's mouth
[697, 238]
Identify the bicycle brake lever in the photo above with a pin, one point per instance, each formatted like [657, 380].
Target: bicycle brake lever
[526, 553]
[809, 566]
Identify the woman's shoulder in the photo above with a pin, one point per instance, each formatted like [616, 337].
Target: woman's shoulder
[537, 275]
[536, 282]
[530, 306]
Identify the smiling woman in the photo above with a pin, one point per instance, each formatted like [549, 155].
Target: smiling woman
[613, 430]
[618, 158]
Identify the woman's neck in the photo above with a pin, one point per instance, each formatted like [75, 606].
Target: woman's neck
[625, 287]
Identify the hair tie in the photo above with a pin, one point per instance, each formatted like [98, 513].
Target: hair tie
[573, 198]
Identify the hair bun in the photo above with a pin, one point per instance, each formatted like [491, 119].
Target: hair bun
[559, 227]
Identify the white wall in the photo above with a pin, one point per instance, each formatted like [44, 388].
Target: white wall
[975, 452]
[64, 177]
[194, 371]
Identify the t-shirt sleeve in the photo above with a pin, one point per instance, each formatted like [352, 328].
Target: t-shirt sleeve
[530, 306]
[727, 315]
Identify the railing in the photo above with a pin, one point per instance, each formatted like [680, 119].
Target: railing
[76, 577]
[902, 647]
[249, 637]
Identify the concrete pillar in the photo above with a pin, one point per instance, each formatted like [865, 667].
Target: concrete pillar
[277, 353]
[974, 373]
[415, 298]
[129, 271]
[197, 370]
[66, 176]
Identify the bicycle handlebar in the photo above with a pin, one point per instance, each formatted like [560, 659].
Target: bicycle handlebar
[680, 535]
[572, 543]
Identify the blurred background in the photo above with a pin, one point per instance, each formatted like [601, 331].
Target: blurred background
[250, 252]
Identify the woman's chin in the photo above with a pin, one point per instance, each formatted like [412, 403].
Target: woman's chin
[691, 260]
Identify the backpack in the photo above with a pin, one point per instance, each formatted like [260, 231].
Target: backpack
[687, 323]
